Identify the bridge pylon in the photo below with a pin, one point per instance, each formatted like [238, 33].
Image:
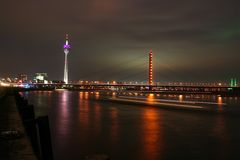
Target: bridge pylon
[150, 70]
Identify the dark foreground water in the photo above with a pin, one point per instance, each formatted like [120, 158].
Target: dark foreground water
[81, 124]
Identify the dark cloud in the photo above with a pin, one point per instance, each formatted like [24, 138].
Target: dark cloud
[191, 39]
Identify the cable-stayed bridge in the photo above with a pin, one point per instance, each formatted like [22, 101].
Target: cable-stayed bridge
[147, 85]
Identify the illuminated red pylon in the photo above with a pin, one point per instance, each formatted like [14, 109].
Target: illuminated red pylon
[150, 77]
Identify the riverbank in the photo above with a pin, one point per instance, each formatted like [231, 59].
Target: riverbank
[14, 142]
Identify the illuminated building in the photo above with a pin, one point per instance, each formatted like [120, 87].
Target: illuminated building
[233, 82]
[150, 77]
[41, 77]
[66, 48]
[22, 78]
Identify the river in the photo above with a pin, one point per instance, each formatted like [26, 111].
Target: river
[82, 124]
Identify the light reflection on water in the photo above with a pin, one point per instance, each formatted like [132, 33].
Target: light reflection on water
[84, 108]
[180, 98]
[220, 104]
[150, 98]
[97, 118]
[64, 114]
[114, 131]
[83, 124]
[220, 131]
[152, 134]
[97, 95]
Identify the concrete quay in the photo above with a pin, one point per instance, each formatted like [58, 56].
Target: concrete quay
[14, 142]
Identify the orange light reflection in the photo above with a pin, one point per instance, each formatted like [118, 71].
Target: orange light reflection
[84, 108]
[152, 134]
[150, 98]
[220, 132]
[97, 95]
[220, 104]
[114, 126]
[114, 94]
[97, 118]
[180, 98]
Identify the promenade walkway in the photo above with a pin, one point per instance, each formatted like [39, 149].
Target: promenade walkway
[14, 143]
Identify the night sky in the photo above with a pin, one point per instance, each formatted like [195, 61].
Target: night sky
[192, 40]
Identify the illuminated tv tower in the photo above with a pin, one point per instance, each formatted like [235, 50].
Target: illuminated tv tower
[66, 48]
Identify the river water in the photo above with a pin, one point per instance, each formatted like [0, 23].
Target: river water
[82, 124]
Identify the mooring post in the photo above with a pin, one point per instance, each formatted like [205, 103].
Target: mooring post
[44, 138]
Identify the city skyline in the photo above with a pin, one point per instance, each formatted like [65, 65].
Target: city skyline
[191, 41]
